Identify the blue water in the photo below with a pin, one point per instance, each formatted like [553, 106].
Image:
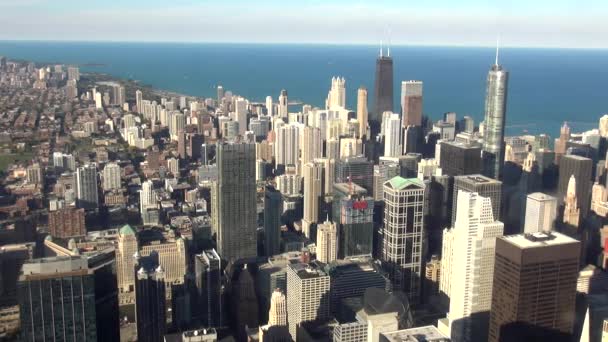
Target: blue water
[547, 86]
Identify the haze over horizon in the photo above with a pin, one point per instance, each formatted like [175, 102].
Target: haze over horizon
[519, 23]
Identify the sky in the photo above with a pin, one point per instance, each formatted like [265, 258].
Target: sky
[518, 23]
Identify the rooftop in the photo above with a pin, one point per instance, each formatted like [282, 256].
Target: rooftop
[307, 271]
[478, 178]
[540, 239]
[539, 196]
[427, 333]
[400, 183]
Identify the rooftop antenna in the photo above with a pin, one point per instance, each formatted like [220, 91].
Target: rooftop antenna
[497, 46]
[389, 43]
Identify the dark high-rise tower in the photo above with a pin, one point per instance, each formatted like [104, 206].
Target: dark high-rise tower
[208, 269]
[383, 90]
[495, 109]
[150, 305]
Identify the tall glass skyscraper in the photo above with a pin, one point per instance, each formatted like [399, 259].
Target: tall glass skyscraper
[383, 90]
[495, 109]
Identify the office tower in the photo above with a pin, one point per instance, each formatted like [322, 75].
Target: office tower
[276, 330]
[392, 142]
[351, 277]
[383, 87]
[432, 276]
[287, 145]
[403, 234]
[57, 300]
[534, 282]
[541, 211]
[73, 73]
[357, 170]
[245, 303]
[283, 104]
[98, 100]
[337, 94]
[474, 235]
[411, 103]
[350, 147]
[382, 173]
[313, 176]
[220, 94]
[362, 114]
[147, 196]
[67, 223]
[195, 145]
[111, 177]
[327, 242]
[495, 115]
[103, 266]
[468, 124]
[34, 174]
[308, 295]
[273, 209]
[484, 186]
[127, 246]
[208, 272]
[561, 143]
[233, 201]
[572, 212]
[269, 106]
[240, 114]
[311, 145]
[581, 168]
[460, 158]
[171, 251]
[150, 298]
[86, 184]
[181, 144]
[178, 124]
[353, 213]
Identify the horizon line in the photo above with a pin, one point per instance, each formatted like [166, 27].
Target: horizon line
[303, 43]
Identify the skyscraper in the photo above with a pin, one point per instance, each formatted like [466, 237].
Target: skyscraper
[311, 144]
[541, 211]
[534, 282]
[581, 168]
[273, 209]
[57, 300]
[362, 114]
[327, 242]
[220, 94]
[572, 212]
[308, 295]
[336, 98]
[86, 183]
[245, 303]
[353, 213]
[233, 198]
[383, 88]
[392, 143]
[472, 266]
[484, 186]
[283, 104]
[358, 170]
[208, 272]
[403, 234]
[127, 246]
[287, 145]
[111, 177]
[411, 103]
[276, 330]
[150, 299]
[494, 123]
[459, 158]
[313, 176]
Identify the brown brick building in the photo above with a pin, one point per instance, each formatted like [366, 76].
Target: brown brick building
[67, 222]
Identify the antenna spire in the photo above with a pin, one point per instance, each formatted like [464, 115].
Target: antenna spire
[389, 43]
[497, 48]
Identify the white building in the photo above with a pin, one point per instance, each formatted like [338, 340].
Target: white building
[392, 144]
[541, 212]
[111, 177]
[472, 268]
[327, 242]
